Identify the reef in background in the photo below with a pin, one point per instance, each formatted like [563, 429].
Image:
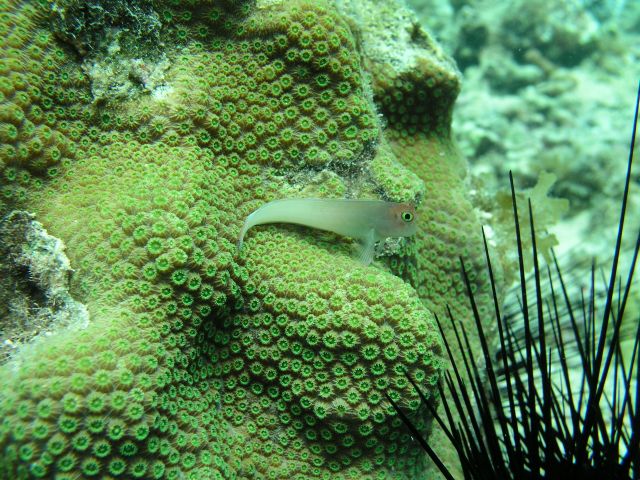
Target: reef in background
[546, 87]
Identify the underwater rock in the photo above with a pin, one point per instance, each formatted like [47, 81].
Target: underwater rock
[564, 32]
[34, 284]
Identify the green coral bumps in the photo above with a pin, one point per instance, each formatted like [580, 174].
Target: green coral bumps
[197, 362]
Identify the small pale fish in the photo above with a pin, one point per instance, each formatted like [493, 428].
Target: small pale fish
[369, 221]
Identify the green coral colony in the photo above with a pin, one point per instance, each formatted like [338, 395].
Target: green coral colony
[201, 362]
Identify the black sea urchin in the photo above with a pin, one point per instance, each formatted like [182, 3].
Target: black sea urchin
[529, 413]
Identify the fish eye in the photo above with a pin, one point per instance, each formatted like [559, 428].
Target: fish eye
[407, 216]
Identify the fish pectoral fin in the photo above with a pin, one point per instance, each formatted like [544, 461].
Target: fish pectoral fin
[367, 248]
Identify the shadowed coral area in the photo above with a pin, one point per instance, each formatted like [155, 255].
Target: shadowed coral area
[199, 362]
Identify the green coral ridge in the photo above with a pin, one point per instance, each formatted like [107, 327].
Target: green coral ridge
[199, 362]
